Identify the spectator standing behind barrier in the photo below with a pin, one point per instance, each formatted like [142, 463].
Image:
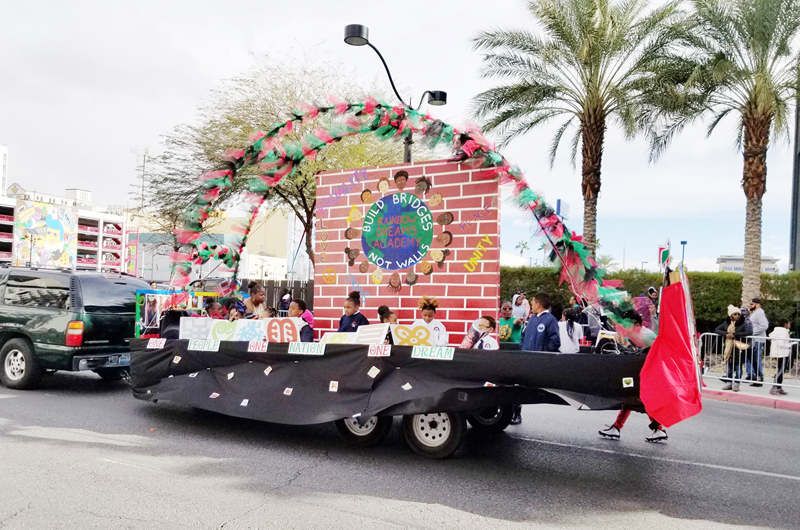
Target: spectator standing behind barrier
[297, 309]
[510, 329]
[352, 318]
[541, 333]
[780, 348]
[754, 365]
[652, 292]
[569, 331]
[521, 308]
[735, 329]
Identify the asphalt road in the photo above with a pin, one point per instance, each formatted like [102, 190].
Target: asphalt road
[81, 453]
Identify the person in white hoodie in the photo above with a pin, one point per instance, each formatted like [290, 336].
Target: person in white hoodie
[427, 310]
[780, 348]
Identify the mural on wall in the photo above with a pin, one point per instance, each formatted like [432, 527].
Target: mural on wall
[45, 235]
[397, 233]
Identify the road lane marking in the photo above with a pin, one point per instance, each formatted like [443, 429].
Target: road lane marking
[661, 459]
[81, 436]
[137, 466]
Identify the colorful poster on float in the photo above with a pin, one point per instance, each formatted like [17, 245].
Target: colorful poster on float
[397, 233]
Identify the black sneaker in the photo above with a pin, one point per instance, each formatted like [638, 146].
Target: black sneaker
[756, 384]
[516, 419]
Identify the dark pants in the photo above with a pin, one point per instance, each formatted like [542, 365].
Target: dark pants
[622, 417]
[782, 362]
[734, 367]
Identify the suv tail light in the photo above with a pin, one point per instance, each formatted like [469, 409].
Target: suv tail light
[75, 333]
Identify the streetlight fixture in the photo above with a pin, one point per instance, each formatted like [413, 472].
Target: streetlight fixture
[358, 35]
[643, 264]
[683, 250]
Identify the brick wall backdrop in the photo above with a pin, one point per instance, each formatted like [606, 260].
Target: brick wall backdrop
[471, 195]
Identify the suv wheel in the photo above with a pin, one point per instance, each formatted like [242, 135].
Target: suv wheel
[18, 368]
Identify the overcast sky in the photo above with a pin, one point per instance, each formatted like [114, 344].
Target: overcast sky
[85, 83]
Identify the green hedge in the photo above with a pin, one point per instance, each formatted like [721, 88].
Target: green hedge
[711, 291]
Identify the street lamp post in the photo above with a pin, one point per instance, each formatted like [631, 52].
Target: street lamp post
[794, 239]
[358, 35]
[683, 250]
[643, 264]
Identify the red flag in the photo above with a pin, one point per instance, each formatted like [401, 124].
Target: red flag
[669, 388]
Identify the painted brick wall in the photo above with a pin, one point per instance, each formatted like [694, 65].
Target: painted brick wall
[465, 289]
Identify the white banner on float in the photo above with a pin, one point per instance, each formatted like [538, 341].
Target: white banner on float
[245, 330]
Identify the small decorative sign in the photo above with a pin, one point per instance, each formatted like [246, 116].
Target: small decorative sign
[203, 345]
[267, 370]
[258, 346]
[244, 403]
[287, 392]
[373, 372]
[156, 344]
[627, 382]
[334, 386]
[213, 395]
[338, 338]
[230, 376]
[434, 353]
[380, 350]
[176, 359]
[306, 348]
[406, 386]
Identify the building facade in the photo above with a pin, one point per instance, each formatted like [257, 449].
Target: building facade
[3, 169]
[735, 264]
[97, 236]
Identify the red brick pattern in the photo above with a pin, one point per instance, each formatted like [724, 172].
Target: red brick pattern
[468, 284]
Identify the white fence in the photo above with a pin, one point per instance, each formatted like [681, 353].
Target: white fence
[757, 359]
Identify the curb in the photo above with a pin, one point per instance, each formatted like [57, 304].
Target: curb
[733, 397]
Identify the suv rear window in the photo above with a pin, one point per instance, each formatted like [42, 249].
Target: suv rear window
[34, 289]
[110, 294]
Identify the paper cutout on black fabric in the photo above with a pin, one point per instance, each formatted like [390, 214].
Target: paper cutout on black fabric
[230, 376]
[287, 392]
[267, 370]
[214, 395]
[407, 386]
[244, 403]
[373, 372]
[334, 386]
[408, 336]
[176, 359]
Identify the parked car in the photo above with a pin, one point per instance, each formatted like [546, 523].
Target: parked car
[64, 320]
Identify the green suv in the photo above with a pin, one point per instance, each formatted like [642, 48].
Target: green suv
[64, 320]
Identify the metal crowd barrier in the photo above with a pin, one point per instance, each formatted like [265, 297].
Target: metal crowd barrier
[715, 365]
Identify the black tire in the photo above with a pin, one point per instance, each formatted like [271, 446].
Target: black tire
[18, 369]
[112, 374]
[436, 434]
[373, 432]
[492, 420]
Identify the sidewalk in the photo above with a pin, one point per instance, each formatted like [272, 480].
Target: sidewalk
[749, 395]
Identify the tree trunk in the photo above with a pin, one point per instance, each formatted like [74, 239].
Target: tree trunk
[754, 183]
[309, 227]
[593, 130]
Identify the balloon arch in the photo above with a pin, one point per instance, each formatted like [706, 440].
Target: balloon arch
[279, 156]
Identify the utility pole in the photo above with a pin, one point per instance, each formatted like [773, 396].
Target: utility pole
[794, 238]
[144, 153]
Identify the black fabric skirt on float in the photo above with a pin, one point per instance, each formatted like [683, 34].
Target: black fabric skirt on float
[279, 387]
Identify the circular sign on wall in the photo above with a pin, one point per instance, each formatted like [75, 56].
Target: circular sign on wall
[397, 231]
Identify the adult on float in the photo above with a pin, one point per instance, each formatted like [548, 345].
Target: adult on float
[256, 304]
[297, 309]
[520, 307]
[427, 310]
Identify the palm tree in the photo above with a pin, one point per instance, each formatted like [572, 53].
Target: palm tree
[737, 59]
[522, 246]
[607, 263]
[588, 66]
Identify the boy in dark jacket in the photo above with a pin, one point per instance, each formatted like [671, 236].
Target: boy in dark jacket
[541, 334]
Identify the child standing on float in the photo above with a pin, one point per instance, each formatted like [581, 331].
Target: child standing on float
[352, 318]
[427, 309]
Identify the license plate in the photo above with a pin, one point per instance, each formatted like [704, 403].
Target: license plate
[124, 360]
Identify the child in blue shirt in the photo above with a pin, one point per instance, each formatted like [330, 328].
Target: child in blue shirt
[352, 318]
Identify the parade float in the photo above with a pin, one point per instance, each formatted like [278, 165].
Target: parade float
[395, 234]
